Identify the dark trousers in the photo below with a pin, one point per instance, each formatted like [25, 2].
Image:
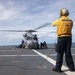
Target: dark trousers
[64, 46]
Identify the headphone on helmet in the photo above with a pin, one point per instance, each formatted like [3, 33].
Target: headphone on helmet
[64, 12]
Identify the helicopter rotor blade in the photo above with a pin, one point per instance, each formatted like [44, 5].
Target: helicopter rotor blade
[44, 25]
[13, 30]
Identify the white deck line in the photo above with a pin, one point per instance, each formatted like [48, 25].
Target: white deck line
[28, 55]
[53, 62]
[16, 55]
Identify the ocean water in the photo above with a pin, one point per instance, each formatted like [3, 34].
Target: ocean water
[73, 45]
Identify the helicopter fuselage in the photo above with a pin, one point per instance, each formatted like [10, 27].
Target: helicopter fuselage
[31, 40]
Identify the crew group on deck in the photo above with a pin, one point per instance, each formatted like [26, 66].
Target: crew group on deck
[42, 45]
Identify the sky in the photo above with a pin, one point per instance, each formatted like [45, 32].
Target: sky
[30, 14]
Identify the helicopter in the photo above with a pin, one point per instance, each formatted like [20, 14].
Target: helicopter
[30, 40]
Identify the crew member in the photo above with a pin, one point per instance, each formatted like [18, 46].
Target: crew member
[64, 41]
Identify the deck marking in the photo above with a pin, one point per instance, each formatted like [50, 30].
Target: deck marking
[16, 55]
[27, 55]
[9, 50]
[53, 62]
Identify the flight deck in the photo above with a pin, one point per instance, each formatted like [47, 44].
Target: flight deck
[30, 61]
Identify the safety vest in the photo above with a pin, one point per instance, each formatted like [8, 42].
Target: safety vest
[64, 26]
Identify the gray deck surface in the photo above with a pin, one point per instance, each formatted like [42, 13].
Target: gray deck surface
[27, 62]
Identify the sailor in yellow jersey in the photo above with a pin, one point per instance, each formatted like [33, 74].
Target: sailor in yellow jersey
[64, 34]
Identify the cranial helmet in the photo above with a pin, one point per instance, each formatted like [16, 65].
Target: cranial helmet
[64, 12]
